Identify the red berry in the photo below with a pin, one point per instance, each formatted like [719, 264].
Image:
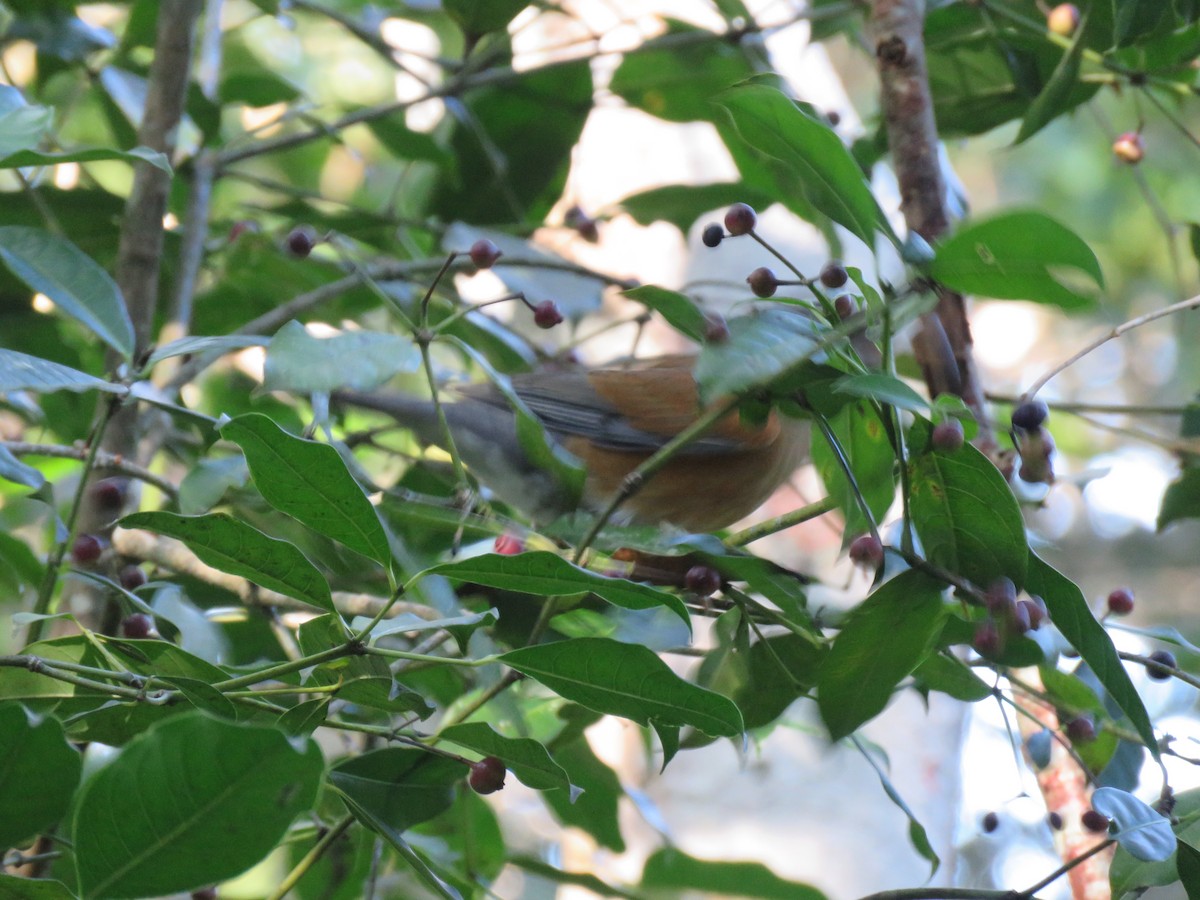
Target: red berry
[987, 641]
[1094, 821]
[702, 580]
[137, 625]
[948, 436]
[241, 227]
[1120, 602]
[713, 235]
[546, 314]
[867, 551]
[834, 274]
[1165, 660]
[762, 282]
[1030, 415]
[990, 822]
[86, 549]
[487, 775]
[845, 306]
[1081, 729]
[1063, 19]
[1000, 596]
[508, 544]
[716, 329]
[108, 494]
[740, 219]
[301, 240]
[484, 253]
[131, 577]
[1129, 148]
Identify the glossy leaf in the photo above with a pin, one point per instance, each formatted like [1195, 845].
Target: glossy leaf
[832, 181]
[884, 389]
[78, 286]
[948, 674]
[595, 811]
[678, 309]
[672, 869]
[140, 829]
[400, 786]
[359, 360]
[625, 680]
[39, 772]
[965, 514]
[1071, 615]
[1017, 256]
[884, 639]
[864, 440]
[24, 158]
[761, 347]
[525, 758]
[309, 482]
[1143, 831]
[549, 575]
[1130, 875]
[232, 546]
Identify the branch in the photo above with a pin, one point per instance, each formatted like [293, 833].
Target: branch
[103, 460]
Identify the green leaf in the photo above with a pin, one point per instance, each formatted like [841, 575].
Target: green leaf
[1070, 613]
[1143, 831]
[22, 372]
[868, 449]
[1130, 876]
[399, 786]
[12, 469]
[916, 831]
[625, 680]
[1057, 96]
[309, 482]
[768, 677]
[672, 869]
[13, 887]
[774, 125]
[94, 154]
[1017, 256]
[884, 639]
[39, 772]
[22, 126]
[546, 574]
[682, 204]
[1187, 862]
[678, 309]
[965, 513]
[205, 344]
[207, 481]
[1181, 499]
[55, 267]
[359, 360]
[596, 809]
[950, 675]
[576, 879]
[525, 758]
[480, 17]
[232, 546]
[260, 87]
[885, 389]
[761, 347]
[140, 829]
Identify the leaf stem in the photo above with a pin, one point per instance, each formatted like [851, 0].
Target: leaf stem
[319, 849]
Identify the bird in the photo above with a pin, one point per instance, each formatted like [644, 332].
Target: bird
[611, 418]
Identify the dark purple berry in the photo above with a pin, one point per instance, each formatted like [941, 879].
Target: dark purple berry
[987, 641]
[716, 329]
[208, 893]
[867, 551]
[834, 274]
[948, 436]
[1055, 821]
[762, 282]
[702, 580]
[108, 494]
[1019, 620]
[1035, 609]
[1165, 660]
[1030, 414]
[740, 219]
[990, 822]
[713, 235]
[487, 775]
[583, 224]
[1095, 822]
[546, 314]
[845, 306]
[1081, 729]
[1000, 596]
[131, 577]
[137, 625]
[301, 240]
[86, 549]
[1120, 602]
[484, 253]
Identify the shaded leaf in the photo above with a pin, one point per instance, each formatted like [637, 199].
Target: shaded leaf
[39, 772]
[864, 440]
[883, 388]
[672, 869]
[22, 372]
[480, 17]
[205, 344]
[12, 469]
[576, 879]
[398, 786]
[359, 360]
[682, 204]
[94, 154]
[1143, 831]
[761, 347]
[1057, 96]
[525, 758]
[678, 309]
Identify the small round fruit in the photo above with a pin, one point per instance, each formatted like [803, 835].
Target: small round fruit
[1055, 821]
[1120, 602]
[762, 282]
[138, 625]
[1129, 148]
[990, 822]
[1035, 609]
[1029, 415]
[208, 893]
[713, 235]
[508, 545]
[845, 306]
[834, 274]
[1094, 821]
[86, 549]
[987, 640]
[740, 219]
[108, 494]
[131, 577]
[484, 253]
[487, 775]
[1063, 19]
[948, 436]
[1163, 662]
[546, 314]
[702, 580]
[867, 551]
[1081, 729]
[583, 224]
[716, 329]
[1018, 618]
[301, 240]
[1000, 596]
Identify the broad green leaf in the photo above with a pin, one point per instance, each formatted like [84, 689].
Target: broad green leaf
[525, 758]
[260, 87]
[479, 17]
[595, 810]
[768, 677]
[206, 344]
[55, 267]
[408, 622]
[1143, 831]
[398, 785]
[761, 347]
[546, 574]
[140, 829]
[884, 639]
[13, 887]
[1187, 862]
[22, 372]
[948, 674]
[672, 869]
[678, 309]
[965, 513]
[682, 204]
[12, 469]
[93, 154]
[1070, 613]
[1181, 499]
[1131, 876]
[359, 360]
[832, 181]
[625, 680]
[576, 879]
[206, 483]
[232, 546]
[309, 482]
[1070, 692]
[39, 772]
[868, 449]
[1057, 97]
[22, 126]
[885, 389]
[1017, 256]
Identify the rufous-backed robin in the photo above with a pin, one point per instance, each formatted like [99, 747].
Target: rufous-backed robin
[612, 418]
